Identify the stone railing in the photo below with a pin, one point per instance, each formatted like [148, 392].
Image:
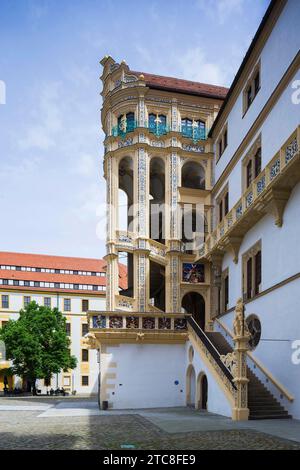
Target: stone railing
[256, 190]
[140, 321]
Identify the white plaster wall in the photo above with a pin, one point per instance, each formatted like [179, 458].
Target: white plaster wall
[279, 310]
[217, 401]
[275, 130]
[277, 54]
[145, 375]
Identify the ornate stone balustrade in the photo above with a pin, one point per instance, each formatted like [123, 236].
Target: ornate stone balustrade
[260, 196]
[137, 321]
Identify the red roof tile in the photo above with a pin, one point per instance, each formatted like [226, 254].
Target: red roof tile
[56, 262]
[184, 86]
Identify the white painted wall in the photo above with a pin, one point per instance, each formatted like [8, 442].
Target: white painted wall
[217, 401]
[145, 375]
[277, 54]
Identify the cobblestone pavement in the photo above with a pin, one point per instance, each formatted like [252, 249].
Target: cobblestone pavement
[26, 430]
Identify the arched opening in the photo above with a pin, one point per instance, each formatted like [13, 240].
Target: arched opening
[190, 386]
[157, 285]
[125, 264]
[194, 303]
[157, 200]
[125, 201]
[192, 175]
[202, 391]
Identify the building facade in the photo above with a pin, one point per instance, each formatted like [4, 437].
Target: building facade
[73, 285]
[196, 291]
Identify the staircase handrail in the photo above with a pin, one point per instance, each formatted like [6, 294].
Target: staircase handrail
[282, 389]
[211, 349]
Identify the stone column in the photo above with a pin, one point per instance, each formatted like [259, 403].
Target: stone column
[141, 254]
[173, 268]
[111, 220]
[241, 337]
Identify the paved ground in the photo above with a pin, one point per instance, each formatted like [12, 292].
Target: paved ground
[68, 423]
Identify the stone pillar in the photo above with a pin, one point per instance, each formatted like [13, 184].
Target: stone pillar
[241, 337]
[172, 226]
[141, 254]
[111, 221]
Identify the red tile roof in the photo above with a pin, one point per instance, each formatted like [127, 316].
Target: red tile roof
[184, 86]
[56, 262]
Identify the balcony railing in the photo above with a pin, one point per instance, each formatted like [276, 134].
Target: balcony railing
[149, 321]
[122, 131]
[196, 134]
[268, 176]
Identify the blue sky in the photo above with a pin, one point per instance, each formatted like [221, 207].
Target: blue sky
[51, 185]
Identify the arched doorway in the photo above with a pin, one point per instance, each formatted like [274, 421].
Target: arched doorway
[194, 303]
[190, 386]
[202, 391]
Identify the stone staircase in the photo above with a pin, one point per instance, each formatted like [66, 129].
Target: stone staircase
[261, 402]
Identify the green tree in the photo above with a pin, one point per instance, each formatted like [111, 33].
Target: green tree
[37, 343]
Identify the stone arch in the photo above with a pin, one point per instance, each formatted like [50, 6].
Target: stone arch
[192, 175]
[194, 303]
[157, 192]
[201, 391]
[190, 386]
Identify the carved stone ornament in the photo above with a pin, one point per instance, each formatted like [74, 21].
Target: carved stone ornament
[240, 327]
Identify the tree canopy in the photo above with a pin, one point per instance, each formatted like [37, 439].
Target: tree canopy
[37, 343]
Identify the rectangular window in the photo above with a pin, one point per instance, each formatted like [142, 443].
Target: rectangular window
[226, 292]
[84, 380]
[257, 260]
[249, 173]
[27, 300]
[5, 301]
[249, 278]
[56, 285]
[84, 355]
[226, 204]
[67, 305]
[225, 139]
[256, 83]
[68, 329]
[36, 284]
[220, 211]
[84, 329]
[257, 162]
[249, 96]
[251, 89]
[5, 282]
[27, 283]
[84, 305]
[15, 282]
[47, 302]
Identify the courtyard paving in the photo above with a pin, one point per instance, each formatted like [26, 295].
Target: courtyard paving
[68, 423]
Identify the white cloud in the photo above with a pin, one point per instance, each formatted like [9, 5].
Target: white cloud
[46, 119]
[85, 165]
[193, 65]
[222, 10]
